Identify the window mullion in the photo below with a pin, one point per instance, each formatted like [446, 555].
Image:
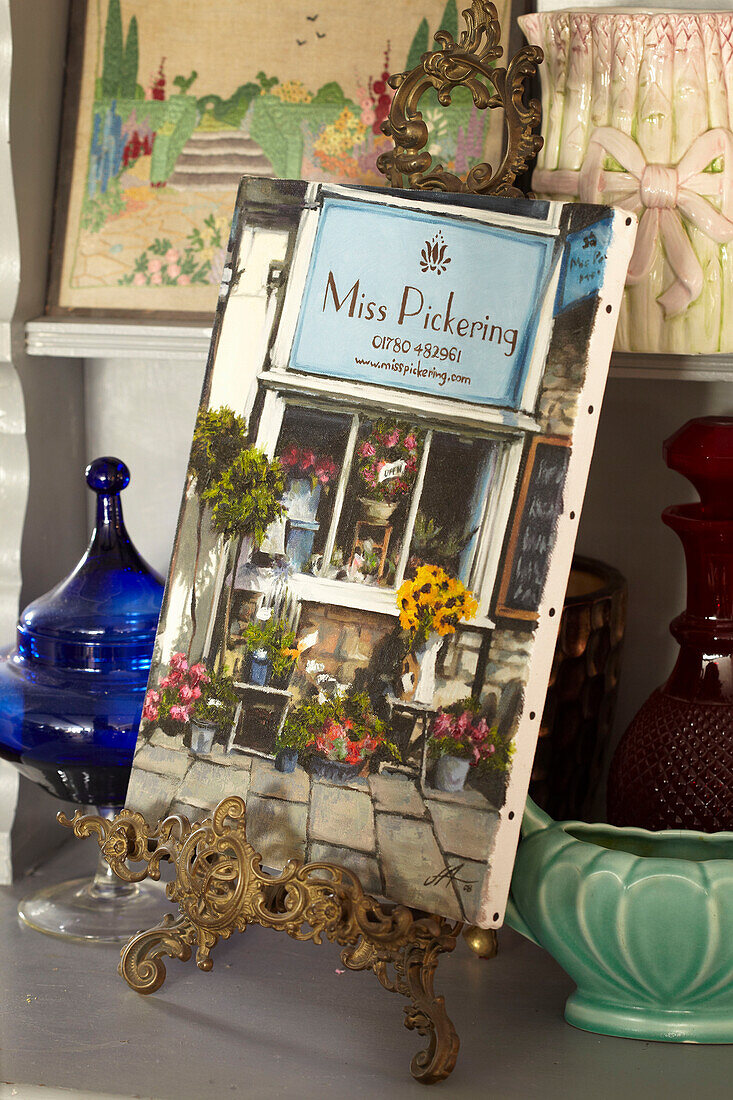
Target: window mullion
[340, 495]
[412, 513]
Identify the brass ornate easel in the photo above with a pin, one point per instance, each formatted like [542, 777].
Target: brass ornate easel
[219, 885]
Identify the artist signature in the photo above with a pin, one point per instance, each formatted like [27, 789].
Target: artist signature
[451, 874]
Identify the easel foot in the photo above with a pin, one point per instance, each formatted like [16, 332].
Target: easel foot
[141, 960]
[482, 941]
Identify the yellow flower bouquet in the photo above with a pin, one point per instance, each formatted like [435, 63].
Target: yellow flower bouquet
[433, 602]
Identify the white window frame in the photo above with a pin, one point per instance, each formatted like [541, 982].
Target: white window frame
[492, 528]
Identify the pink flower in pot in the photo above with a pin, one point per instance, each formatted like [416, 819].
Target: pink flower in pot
[198, 675]
[150, 707]
[290, 457]
[325, 470]
[188, 693]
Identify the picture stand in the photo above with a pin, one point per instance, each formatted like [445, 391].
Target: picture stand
[219, 884]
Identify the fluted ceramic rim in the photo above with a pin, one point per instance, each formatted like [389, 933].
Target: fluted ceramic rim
[647, 836]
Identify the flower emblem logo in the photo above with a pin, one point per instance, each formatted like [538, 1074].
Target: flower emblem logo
[433, 257]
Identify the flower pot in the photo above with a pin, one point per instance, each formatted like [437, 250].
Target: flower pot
[635, 110]
[426, 656]
[450, 773]
[286, 760]
[301, 499]
[378, 512]
[333, 771]
[202, 736]
[259, 668]
[299, 538]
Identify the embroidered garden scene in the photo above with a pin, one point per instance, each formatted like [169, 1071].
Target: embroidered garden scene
[163, 137]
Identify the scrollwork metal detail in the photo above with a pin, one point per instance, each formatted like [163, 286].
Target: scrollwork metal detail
[466, 63]
[220, 887]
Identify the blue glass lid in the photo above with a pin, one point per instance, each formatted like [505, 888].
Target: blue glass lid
[103, 617]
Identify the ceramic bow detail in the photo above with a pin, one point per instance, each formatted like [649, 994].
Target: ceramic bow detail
[661, 194]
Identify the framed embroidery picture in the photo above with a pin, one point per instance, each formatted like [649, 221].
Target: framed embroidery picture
[170, 102]
[377, 528]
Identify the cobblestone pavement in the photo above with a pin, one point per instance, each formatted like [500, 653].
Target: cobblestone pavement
[420, 846]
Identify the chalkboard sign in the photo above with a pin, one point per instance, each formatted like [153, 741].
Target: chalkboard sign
[534, 529]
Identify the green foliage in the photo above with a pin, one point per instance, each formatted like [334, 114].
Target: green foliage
[183, 83]
[277, 126]
[229, 112]
[179, 123]
[219, 436]
[196, 240]
[266, 82]
[130, 62]
[120, 58]
[102, 205]
[419, 46]
[305, 722]
[278, 643]
[331, 93]
[370, 564]
[218, 702]
[190, 267]
[246, 498]
[433, 543]
[112, 51]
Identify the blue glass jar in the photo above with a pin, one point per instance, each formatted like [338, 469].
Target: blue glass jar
[72, 689]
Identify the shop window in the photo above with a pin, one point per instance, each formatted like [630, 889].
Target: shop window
[458, 479]
[382, 485]
[312, 448]
[370, 499]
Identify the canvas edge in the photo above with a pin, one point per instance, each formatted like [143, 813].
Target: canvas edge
[494, 898]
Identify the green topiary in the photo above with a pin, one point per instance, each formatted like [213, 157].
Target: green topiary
[246, 498]
[219, 436]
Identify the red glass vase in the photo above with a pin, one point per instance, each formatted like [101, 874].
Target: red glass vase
[673, 768]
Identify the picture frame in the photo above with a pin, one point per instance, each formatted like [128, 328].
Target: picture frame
[150, 158]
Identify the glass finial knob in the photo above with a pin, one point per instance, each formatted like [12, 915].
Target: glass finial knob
[107, 475]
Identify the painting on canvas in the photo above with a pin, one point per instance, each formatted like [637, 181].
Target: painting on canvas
[377, 527]
[171, 101]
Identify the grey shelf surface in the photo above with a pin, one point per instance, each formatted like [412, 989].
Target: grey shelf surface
[275, 1019]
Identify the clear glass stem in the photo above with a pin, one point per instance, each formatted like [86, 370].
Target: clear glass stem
[106, 885]
[102, 909]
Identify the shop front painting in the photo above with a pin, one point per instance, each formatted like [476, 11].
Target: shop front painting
[176, 100]
[375, 533]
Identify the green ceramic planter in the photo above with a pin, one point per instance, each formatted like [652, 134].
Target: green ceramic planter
[642, 922]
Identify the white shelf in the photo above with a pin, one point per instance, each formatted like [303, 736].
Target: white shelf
[683, 368]
[99, 339]
[69, 337]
